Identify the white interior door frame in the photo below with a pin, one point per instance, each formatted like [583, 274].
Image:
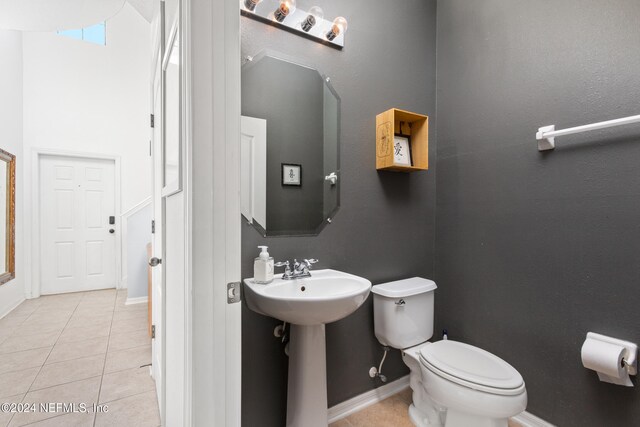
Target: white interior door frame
[186, 142]
[32, 287]
[214, 207]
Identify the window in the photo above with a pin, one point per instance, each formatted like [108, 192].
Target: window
[95, 34]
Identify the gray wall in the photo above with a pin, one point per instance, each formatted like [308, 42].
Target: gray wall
[533, 249]
[385, 227]
[138, 236]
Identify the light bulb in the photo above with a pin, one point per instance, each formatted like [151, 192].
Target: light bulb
[315, 14]
[338, 27]
[286, 8]
[250, 5]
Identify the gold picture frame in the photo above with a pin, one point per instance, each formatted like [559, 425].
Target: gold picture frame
[9, 272]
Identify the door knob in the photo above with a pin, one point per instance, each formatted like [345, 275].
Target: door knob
[153, 262]
[111, 230]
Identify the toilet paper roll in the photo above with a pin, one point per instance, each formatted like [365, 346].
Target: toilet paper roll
[606, 359]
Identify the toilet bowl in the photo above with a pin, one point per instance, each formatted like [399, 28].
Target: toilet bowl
[454, 384]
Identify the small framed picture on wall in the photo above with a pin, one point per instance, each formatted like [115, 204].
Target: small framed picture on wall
[402, 150]
[291, 174]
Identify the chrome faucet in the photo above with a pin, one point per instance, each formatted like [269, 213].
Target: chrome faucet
[300, 269]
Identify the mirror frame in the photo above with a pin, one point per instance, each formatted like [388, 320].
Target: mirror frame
[248, 62]
[10, 273]
[175, 186]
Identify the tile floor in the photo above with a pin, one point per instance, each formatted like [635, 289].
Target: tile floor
[391, 412]
[86, 347]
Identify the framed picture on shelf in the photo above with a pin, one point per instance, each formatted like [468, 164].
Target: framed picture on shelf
[402, 150]
[291, 174]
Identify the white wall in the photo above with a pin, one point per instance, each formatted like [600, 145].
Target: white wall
[87, 98]
[138, 236]
[12, 293]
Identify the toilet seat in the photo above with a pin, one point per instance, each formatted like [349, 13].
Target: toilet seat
[471, 367]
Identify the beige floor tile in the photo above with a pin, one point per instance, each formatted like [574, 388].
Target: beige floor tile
[16, 382]
[68, 420]
[76, 350]
[99, 300]
[85, 391]
[81, 322]
[127, 326]
[406, 395]
[31, 302]
[12, 321]
[54, 310]
[390, 412]
[129, 340]
[19, 343]
[4, 335]
[125, 383]
[132, 308]
[92, 312]
[59, 303]
[128, 359]
[69, 371]
[24, 311]
[41, 327]
[101, 292]
[89, 331]
[341, 423]
[5, 417]
[22, 360]
[135, 316]
[140, 410]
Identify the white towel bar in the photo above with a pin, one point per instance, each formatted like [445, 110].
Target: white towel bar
[546, 135]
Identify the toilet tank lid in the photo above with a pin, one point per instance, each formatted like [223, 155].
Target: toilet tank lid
[404, 288]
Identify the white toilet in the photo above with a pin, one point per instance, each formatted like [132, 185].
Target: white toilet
[454, 384]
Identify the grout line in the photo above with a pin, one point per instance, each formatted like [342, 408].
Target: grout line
[131, 395]
[69, 382]
[95, 416]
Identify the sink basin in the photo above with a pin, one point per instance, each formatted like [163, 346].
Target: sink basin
[307, 304]
[326, 296]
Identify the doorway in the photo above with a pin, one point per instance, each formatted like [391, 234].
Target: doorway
[77, 218]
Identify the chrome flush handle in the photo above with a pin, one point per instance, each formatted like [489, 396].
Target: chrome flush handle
[400, 302]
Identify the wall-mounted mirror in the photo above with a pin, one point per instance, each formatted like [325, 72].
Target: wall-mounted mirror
[290, 181]
[7, 216]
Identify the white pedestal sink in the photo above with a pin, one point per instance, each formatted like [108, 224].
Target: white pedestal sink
[308, 304]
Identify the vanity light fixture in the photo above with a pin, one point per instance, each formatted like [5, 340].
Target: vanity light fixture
[286, 8]
[310, 24]
[338, 27]
[315, 15]
[250, 5]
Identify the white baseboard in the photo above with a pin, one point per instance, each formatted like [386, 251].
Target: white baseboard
[358, 403]
[527, 419]
[138, 300]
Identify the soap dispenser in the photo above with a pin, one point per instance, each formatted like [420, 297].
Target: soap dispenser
[263, 267]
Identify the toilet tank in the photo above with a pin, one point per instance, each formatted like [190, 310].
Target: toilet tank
[403, 312]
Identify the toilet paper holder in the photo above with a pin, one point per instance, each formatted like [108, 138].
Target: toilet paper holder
[630, 359]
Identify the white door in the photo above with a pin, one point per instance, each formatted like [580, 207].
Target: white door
[253, 168]
[77, 238]
[175, 330]
[157, 277]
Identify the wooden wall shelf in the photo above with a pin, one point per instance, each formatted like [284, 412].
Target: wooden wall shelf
[396, 121]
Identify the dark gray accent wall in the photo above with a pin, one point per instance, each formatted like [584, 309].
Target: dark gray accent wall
[384, 229]
[535, 249]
